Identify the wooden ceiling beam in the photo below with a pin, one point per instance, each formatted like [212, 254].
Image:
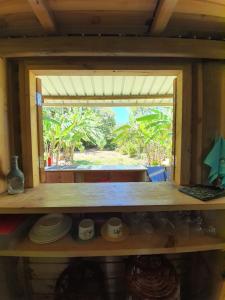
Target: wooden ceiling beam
[119, 97]
[162, 15]
[111, 47]
[44, 15]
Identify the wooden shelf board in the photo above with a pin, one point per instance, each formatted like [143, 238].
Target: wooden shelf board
[103, 197]
[133, 245]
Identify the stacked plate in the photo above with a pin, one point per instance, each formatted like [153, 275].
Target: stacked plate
[50, 228]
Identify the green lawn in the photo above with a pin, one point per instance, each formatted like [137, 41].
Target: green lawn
[95, 157]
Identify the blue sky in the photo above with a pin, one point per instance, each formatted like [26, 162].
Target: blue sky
[121, 114]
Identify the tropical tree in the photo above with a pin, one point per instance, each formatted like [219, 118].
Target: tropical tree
[70, 129]
[150, 134]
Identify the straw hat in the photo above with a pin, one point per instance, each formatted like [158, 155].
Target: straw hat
[114, 230]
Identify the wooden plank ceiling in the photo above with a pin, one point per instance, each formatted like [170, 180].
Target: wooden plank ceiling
[170, 18]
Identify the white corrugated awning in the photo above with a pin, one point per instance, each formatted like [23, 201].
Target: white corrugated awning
[107, 90]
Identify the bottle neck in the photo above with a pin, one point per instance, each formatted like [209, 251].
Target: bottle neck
[14, 162]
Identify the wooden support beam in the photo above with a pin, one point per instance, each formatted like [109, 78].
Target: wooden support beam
[111, 47]
[104, 104]
[44, 15]
[117, 97]
[162, 15]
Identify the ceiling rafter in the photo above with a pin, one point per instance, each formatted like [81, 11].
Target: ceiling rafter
[44, 15]
[162, 15]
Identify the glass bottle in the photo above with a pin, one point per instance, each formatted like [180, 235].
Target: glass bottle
[15, 178]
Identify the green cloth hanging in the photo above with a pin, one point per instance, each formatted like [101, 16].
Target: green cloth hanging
[216, 161]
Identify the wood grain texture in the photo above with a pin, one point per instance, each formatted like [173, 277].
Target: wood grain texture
[4, 128]
[14, 109]
[103, 197]
[40, 136]
[206, 8]
[112, 46]
[28, 122]
[133, 245]
[183, 127]
[44, 15]
[197, 124]
[213, 81]
[162, 15]
[105, 97]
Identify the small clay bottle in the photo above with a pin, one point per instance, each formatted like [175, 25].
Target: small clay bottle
[15, 178]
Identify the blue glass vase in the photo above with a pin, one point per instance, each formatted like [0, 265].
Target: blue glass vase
[15, 178]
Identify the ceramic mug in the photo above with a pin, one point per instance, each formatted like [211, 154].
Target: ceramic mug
[114, 228]
[86, 229]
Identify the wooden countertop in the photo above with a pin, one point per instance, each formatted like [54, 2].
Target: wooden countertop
[88, 168]
[103, 197]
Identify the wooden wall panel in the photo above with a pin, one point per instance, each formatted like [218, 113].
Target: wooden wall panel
[44, 272]
[183, 126]
[213, 110]
[208, 114]
[14, 110]
[222, 115]
[197, 123]
[4, 130]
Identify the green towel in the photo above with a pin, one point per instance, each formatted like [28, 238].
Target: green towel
[216, 161]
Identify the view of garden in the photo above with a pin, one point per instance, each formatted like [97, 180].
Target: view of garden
[93, 136]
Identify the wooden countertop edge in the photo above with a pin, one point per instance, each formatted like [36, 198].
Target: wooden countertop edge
[103, 197]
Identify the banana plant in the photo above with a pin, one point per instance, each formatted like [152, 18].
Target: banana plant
[151, 134]
[69, 129]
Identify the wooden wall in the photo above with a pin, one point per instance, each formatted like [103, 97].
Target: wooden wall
[214, 107]
[207, 84]
[4, 131]
[208, 115]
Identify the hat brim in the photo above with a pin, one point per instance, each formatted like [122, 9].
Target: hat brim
[125, 233]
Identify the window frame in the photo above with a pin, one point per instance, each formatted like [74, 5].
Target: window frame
[30, 68]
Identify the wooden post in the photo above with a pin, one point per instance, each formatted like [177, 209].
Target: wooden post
[28, 121]
[4, 130]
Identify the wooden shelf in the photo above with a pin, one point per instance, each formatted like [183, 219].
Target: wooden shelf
[133, 245]
[103, 197]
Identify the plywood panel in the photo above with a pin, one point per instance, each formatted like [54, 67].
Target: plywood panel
[201, 8]
[103, 22]
[4, 129]
[14, 6]
[186, 25]
[101, 5]
[22, 24]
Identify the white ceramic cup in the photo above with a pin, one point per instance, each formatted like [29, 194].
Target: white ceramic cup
[86, 229]
[114, 228]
